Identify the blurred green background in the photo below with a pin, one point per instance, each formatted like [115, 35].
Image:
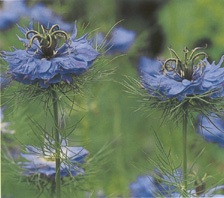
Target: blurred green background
[110, 115]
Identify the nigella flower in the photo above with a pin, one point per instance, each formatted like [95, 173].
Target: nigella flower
[119, 41]
[42, 161]
[212, 129]
[11, 12]
[44, 62]
[149, 186]
[47, 18]
[166, 186]
[175, 78]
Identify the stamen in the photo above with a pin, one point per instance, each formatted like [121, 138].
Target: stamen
[175, 54]
[32, 39]
[48, 39]
[53, 27]
[31, 32]
[43, 30]
[200, 54]
[185, 69]
[195, 49]
[165, 66]
[60, 32]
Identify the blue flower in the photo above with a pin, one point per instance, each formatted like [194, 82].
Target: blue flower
[212, 129]
[165, 186]
[210, 193]
[11, 12]
[175, 79]
[4, 125]
[47, 18]
[119, 42]
[143, 187]
[42, 160]
[148, 186]
[44, 62]
[4, 81]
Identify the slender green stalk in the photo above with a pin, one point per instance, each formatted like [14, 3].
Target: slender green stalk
[57, 145]
[185, 149]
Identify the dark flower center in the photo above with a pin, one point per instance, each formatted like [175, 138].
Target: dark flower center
[187, 68]
[48, 39]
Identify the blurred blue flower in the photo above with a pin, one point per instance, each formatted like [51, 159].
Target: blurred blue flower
[4, 125]
[143, 187]
[47, 18]
[212, 129]
[11, 12]
[210, 193]
[42, 161]
[43, 61]
[119, 41]
[148, 186]
[164, 186]
[172, 79]
[6, 196]
[4, 80]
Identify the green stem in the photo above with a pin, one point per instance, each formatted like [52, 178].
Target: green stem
[185, 149]
[57, 145]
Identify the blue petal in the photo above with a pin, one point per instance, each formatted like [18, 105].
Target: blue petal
[74, 33]
[212, 131]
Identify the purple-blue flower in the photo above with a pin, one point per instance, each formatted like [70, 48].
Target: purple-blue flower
[143, 187]
[210, 193]
[47, 18]
[42, 161]
[119, 41]
[4, 81]
[149, 186]
[44, 62]
[165, 186]
[5, 125]
[212, 129]
[11, 12]
[175, 79]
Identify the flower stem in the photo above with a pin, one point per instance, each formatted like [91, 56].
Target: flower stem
[185, 150]
[57, 145]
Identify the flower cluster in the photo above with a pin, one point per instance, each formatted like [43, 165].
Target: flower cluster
[212, 129]
[174, 78]
[42, 161]
[44, 62]
[119, 41]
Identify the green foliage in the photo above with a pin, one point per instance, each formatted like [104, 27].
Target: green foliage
[108, 113]
[193, 23]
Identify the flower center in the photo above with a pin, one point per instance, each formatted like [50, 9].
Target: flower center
[187, 68]
[48, 39]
